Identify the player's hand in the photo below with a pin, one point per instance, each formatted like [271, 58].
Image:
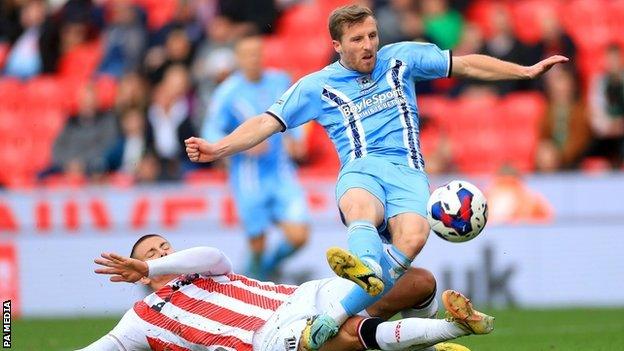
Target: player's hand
[122, 269]
[199, 150]
[543, 66]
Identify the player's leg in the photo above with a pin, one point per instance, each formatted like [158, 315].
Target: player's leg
[413, 295]
[359, 333]
[255, 220]
[407, 192]
[416, 289]
[290, 210]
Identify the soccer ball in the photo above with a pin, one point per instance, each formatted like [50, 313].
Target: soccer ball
[457, 211]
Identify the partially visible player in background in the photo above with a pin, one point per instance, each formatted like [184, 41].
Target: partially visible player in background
[263, 179]
[199, 304]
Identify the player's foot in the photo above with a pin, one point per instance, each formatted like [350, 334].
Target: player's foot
[460, 310]
[317, 331]
[349, 266]
[449, 346]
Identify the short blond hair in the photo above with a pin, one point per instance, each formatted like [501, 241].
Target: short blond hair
[347, 15]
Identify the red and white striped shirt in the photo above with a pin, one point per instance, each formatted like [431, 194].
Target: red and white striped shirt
[208, 312]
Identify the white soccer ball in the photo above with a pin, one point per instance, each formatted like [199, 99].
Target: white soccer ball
[457, 211]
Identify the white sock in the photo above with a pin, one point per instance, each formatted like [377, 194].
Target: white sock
[428, 311]
[337, 312]
[407, 332]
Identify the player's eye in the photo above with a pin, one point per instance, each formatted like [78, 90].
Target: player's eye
[373, 35]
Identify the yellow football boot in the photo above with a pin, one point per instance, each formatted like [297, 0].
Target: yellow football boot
[349, 266]
[460, 310]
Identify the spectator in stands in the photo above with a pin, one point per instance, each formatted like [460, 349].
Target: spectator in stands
[504, 45]
[176, 51]
[81, 147]
[24, 58]
[510, 200]
[554, 38]
[9, 20]
[442, 24]
[169, 123]
[607, 109]
[388, 19]
[127, 152]
[250, 16]
[132, 92]
[214, 61]
[564, 130]
[471, 42]
[80, 21]
[124, 39]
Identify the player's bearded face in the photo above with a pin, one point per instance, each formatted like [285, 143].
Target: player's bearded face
[358, 45]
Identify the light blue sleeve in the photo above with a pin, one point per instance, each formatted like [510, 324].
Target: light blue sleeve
[219, 121]
[425, 60]
[299, 104]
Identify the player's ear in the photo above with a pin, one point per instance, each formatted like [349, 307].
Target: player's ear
[145, 281]
[337, 46]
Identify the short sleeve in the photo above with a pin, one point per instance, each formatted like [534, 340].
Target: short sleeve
[299, 104]
[219, 120]
[426, 61]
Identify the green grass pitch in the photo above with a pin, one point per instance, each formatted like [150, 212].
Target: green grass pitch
[515, 330]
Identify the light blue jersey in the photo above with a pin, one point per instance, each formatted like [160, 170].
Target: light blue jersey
[368, 114]
[264, 186]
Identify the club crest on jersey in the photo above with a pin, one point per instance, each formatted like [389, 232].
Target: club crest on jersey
[365, 81]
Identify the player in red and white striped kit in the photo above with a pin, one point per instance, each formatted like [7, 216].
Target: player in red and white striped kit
[199, 304]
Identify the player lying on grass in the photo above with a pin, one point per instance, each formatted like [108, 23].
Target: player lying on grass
[199, 304]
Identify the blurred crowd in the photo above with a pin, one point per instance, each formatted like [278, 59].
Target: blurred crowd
[165, 59]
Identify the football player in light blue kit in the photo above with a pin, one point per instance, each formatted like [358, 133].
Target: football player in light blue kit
[367, 104]
[263, 180]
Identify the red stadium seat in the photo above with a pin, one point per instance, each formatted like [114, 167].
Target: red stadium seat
[522, 113]
[4, 52]
[302, 21]
[81, 62]
[275, 52]
[10, 93]
[615, 9]
[527, 17]
[106, 88]
[45, 92]
[159, 12]
[586, 21]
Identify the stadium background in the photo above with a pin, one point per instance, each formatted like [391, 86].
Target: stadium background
[549, 263]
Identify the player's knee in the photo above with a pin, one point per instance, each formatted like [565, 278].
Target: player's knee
[300, 238]
[422, 281]
[412, 236]
[358, 211]
[296, 234]
[359, 205]
[411, 244]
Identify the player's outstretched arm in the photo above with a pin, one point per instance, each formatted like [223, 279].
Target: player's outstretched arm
[205, 260]
[484, 67]
[247, 135]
